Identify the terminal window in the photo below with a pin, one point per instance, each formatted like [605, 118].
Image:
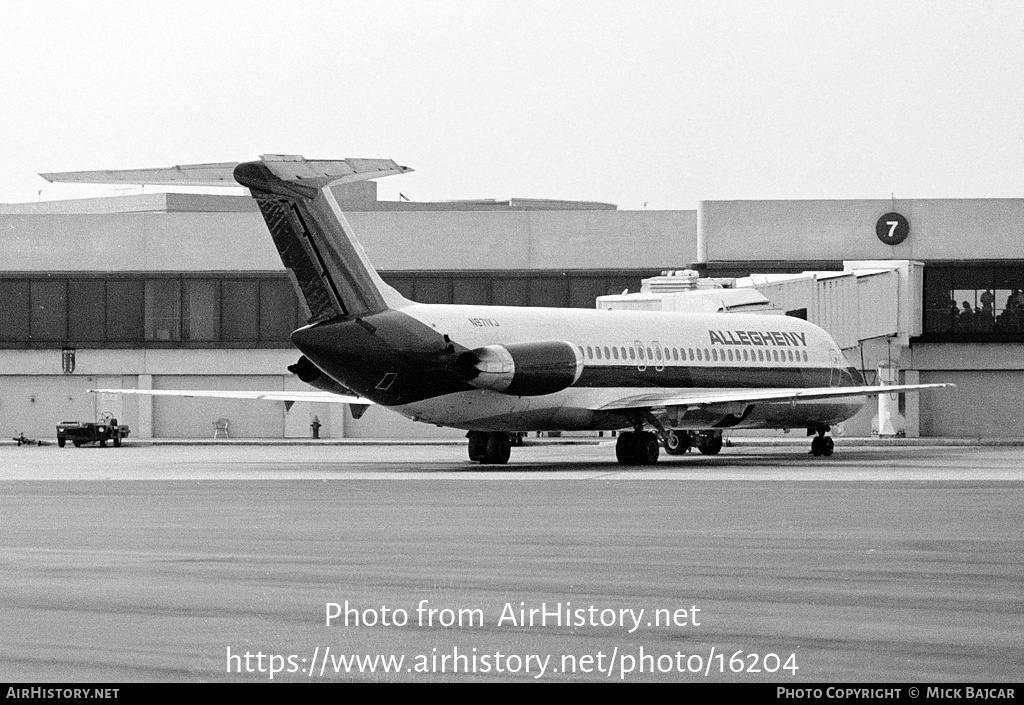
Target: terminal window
[163, 309]
[976, 302]
[260, 309]
[555, 288]
[129, 310]
[201, 310]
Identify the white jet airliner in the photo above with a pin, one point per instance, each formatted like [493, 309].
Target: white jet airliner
[496, 370]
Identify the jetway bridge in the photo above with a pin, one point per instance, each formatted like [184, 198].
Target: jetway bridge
[868, 300]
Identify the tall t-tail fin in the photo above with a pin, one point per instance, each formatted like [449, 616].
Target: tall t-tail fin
[313, 237]
[309, 230]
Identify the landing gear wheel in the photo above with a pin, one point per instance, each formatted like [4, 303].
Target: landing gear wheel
[637, 448]
[497, 450]
[647, 448]
[677, 442]
[489, 448]
[709, 442]
[625, 448]
[61, 442]
[477, 445]
[822, 445]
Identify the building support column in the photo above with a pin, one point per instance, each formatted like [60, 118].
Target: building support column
[912, 405]
[145, 409]
[335, 425]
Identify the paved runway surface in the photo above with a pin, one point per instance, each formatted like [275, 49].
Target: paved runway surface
[170, 563]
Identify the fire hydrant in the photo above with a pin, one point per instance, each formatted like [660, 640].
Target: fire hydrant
[316, 427]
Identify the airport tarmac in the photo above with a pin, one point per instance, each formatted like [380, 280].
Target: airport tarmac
[221, 563]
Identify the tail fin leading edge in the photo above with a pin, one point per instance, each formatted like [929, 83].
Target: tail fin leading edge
[313, 237]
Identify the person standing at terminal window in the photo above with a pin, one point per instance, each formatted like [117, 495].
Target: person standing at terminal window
[1016, 300]
[986, 315]
[1010, 319]
[966, 319]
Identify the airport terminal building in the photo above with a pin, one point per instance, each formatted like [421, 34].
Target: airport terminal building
[186, 291]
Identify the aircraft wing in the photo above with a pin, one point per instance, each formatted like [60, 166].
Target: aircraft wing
[674, 397]
[288, 397]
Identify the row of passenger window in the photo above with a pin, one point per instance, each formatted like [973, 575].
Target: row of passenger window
[659, 355]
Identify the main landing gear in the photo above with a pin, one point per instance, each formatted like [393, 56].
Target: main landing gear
[637, 448]
[822, 445]
[489, 448]
[709, 442]
[679, 442]
[641, 447]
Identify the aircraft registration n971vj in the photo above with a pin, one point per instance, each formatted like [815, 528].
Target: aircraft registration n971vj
[498, 370]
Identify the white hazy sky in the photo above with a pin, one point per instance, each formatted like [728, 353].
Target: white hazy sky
[663, 103]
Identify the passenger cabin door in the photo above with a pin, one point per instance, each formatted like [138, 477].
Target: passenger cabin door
[835, 378]
[659, 359]
[641, 356]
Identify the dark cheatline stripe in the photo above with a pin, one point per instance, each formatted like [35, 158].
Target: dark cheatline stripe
[710, 376]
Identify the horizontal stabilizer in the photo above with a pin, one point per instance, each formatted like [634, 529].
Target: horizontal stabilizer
[295, 169]
[326, 172]
[187, 175]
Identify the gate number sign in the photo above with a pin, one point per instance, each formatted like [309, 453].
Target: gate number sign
[892, 228]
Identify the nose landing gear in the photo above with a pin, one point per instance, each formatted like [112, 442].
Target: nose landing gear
[822, 445]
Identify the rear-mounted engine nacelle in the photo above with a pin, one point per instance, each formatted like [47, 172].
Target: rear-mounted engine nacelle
[523, 369]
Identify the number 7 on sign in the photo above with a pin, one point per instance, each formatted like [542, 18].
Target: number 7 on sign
[892, 228]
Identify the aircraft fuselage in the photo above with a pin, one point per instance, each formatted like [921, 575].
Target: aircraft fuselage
[408, 360]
